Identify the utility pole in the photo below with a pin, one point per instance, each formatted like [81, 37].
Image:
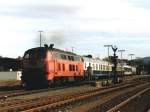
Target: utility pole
[72, 49]
[131, 55]
[131, 58]
[108, 46]
[121, 51]
[40, 36]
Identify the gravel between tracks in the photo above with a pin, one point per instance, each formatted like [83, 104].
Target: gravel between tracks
[55, 92]
[104, 102]
[139, 104]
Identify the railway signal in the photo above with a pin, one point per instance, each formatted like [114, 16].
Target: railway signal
[114, 48]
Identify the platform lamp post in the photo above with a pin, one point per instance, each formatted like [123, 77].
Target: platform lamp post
[108, 46]
[40, 36]
[121, 51]
[131, 57]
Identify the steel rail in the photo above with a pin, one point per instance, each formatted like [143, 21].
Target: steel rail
[116, 108]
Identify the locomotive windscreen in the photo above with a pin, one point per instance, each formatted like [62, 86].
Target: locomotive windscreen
[38, 53]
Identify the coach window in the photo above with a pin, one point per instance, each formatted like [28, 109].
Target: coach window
[107, 68]
[99, 67]
[103, 67]
[96, 67]
[93, 66]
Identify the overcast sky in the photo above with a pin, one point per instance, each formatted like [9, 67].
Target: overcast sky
[86, 25]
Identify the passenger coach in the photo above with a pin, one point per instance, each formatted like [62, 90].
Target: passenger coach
[100, 68]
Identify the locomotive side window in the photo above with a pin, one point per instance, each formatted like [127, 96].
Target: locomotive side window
[78, 59]
[73, 67]
[76, 68]
[69, 57]
[59, 66]
[72, 58]
[57, 55]
[63, 66]
[63, 56]
[70, 67]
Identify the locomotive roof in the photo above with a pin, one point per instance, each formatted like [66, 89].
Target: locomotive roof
[53, 49]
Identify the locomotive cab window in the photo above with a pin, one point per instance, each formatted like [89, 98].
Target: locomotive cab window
[26, 56]
[37, 54]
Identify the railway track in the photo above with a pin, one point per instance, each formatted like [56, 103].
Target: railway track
[123, 103]
[106, 101]
[11, 91]
[54, 102]
[15, 85]
[21, 91]
[78, 99]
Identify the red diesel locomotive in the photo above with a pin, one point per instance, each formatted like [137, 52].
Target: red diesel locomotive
[48, 65]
